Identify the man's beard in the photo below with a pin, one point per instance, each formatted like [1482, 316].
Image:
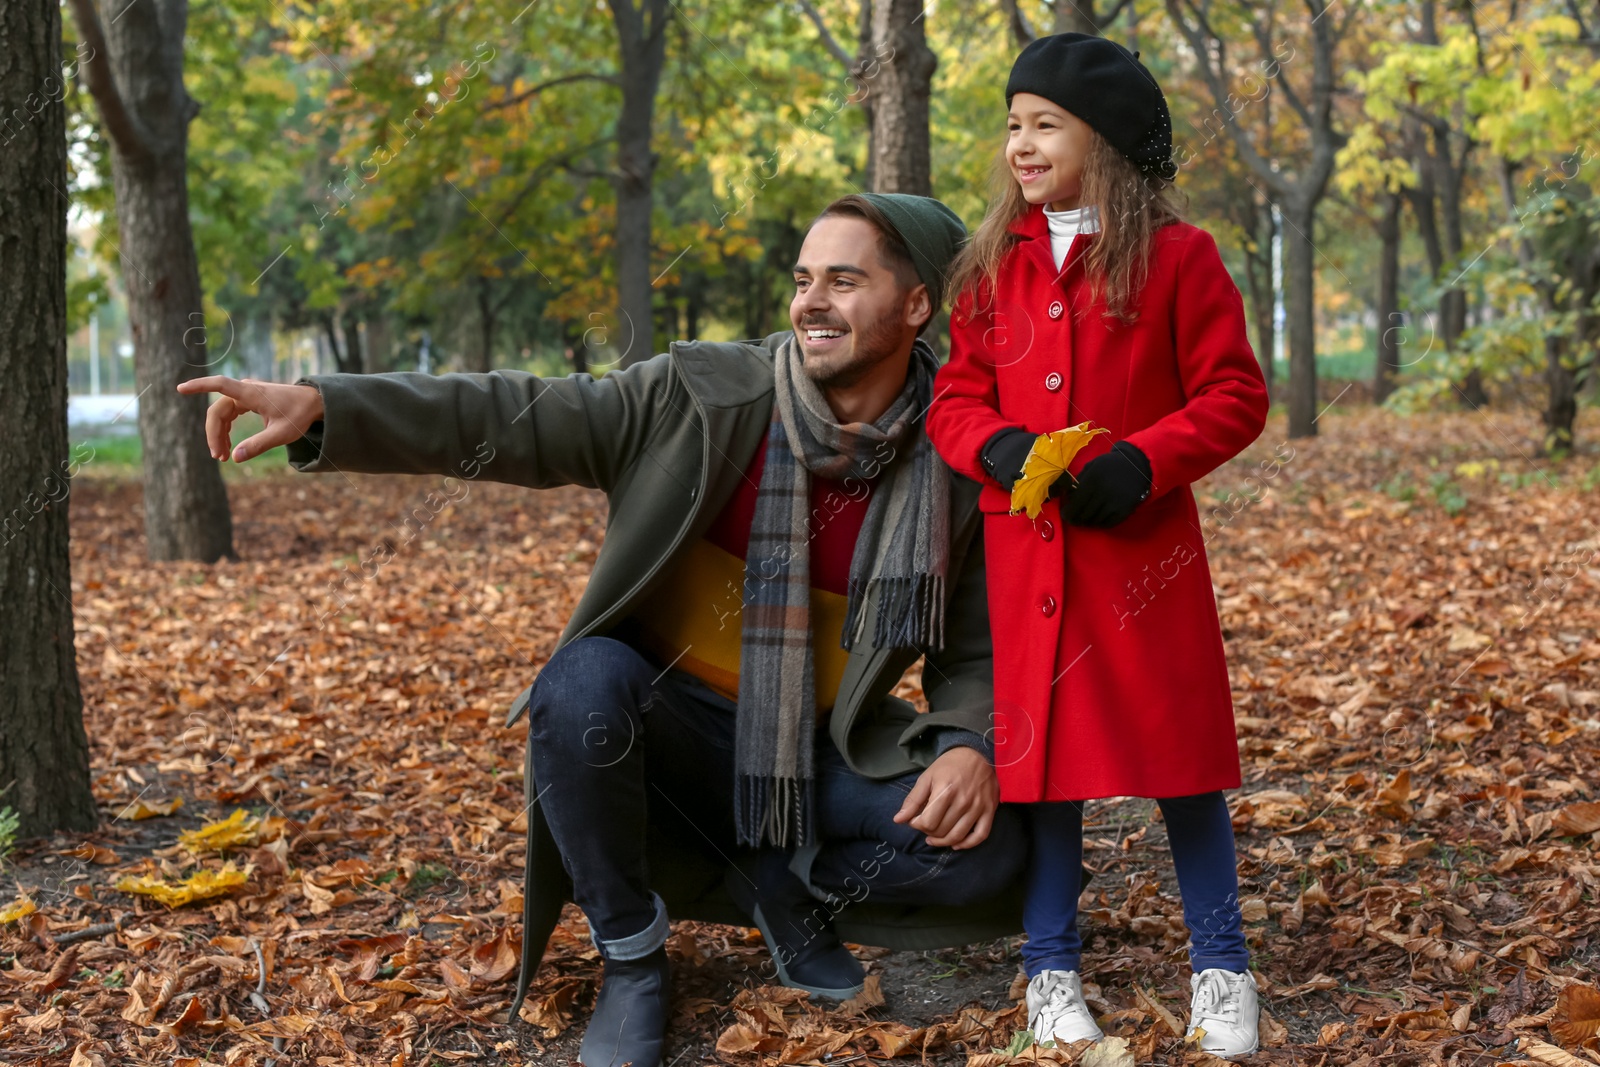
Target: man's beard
[867, 350]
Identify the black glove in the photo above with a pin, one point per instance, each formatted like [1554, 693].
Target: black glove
[1005, 454]
[1109, 487]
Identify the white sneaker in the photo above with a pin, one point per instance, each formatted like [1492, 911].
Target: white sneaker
[1056, 1010]
[1225, 1005]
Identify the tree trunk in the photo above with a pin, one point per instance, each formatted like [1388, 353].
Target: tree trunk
[1258, 276]
[345, 358]
[376, 345]
[186, 503]
[44, 753]
[483, 357]
[136, 78]
[1388, 361]
[1076, 16]
[642, 37]
[900, 87]
[1299, 285]
[694, 298]
[576, 351]
[1561, 397]
[865, 66]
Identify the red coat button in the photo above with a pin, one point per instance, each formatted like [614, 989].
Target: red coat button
[1049, 606]
[1047, 530]
[1056, 310]
[1052, 382]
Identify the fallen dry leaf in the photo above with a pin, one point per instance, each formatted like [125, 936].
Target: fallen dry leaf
[1580, 818]
[1548, 1054]
[236, 830]
[20, 908]
[201, 885]
[150, 809]
[1577, 1014]
[1109, 1051]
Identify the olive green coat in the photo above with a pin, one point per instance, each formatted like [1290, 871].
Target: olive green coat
[666, 440]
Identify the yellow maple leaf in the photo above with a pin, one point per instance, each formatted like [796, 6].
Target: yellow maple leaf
[239, 828]
[142, 809]
[201, 885]
[1047, 461]
[20, 908]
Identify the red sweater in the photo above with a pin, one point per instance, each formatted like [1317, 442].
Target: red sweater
[691, 620]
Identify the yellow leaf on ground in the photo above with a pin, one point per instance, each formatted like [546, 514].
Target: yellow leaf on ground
[236, 830]
[1108, 1052]
[1047, 461]
[149, 809]
[201, 885]
[20, 908]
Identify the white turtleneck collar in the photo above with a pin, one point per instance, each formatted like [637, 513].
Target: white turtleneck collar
[1065, 225]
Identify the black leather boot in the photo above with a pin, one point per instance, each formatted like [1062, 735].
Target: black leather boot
[628, 1028]
[797, 927]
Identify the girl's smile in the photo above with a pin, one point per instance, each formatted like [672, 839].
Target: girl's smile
[1045, 147]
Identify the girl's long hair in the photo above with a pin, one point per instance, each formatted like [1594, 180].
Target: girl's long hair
[1132, 206]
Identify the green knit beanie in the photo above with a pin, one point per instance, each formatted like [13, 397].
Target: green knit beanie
[930, 230]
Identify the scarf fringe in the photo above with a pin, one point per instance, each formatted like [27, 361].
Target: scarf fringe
[769, 810]
[910, 612]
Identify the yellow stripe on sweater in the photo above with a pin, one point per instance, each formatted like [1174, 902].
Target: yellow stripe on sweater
[693, 620]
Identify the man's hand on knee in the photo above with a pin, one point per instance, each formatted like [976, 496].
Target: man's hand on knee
[954, 800]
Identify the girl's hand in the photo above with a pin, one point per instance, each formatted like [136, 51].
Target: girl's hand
[1003, 457]
[954, 800]
[1108, 488]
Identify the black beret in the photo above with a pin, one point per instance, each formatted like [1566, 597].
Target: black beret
[1107, 87]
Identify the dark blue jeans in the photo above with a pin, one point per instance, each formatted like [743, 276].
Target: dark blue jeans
[1201, 836]
[622, 749]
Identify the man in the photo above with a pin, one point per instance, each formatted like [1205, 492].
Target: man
[782, 544]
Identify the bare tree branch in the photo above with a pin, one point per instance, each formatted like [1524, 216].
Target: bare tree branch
[1263, 34]
[1243, 141]
[828, 40]
[129, 134]
[1111, 16]
[513, 101]
[1020, 30]
[538, 175]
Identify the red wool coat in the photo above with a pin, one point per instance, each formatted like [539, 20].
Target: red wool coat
[1110, 678]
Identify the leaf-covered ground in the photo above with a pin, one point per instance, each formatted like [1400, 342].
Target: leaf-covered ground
[1411, 614]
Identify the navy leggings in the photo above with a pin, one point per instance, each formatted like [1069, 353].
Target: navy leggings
[1201, 836]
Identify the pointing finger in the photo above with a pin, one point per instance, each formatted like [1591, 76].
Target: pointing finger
[213, 383]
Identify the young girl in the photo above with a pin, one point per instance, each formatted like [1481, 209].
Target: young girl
[1084, 297]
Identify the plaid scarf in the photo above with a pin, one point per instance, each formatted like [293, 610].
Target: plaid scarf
[899, 565]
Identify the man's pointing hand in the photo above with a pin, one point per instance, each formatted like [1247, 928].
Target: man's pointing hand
[287, 410]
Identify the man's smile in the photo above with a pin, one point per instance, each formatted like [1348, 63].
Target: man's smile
[822, 337]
